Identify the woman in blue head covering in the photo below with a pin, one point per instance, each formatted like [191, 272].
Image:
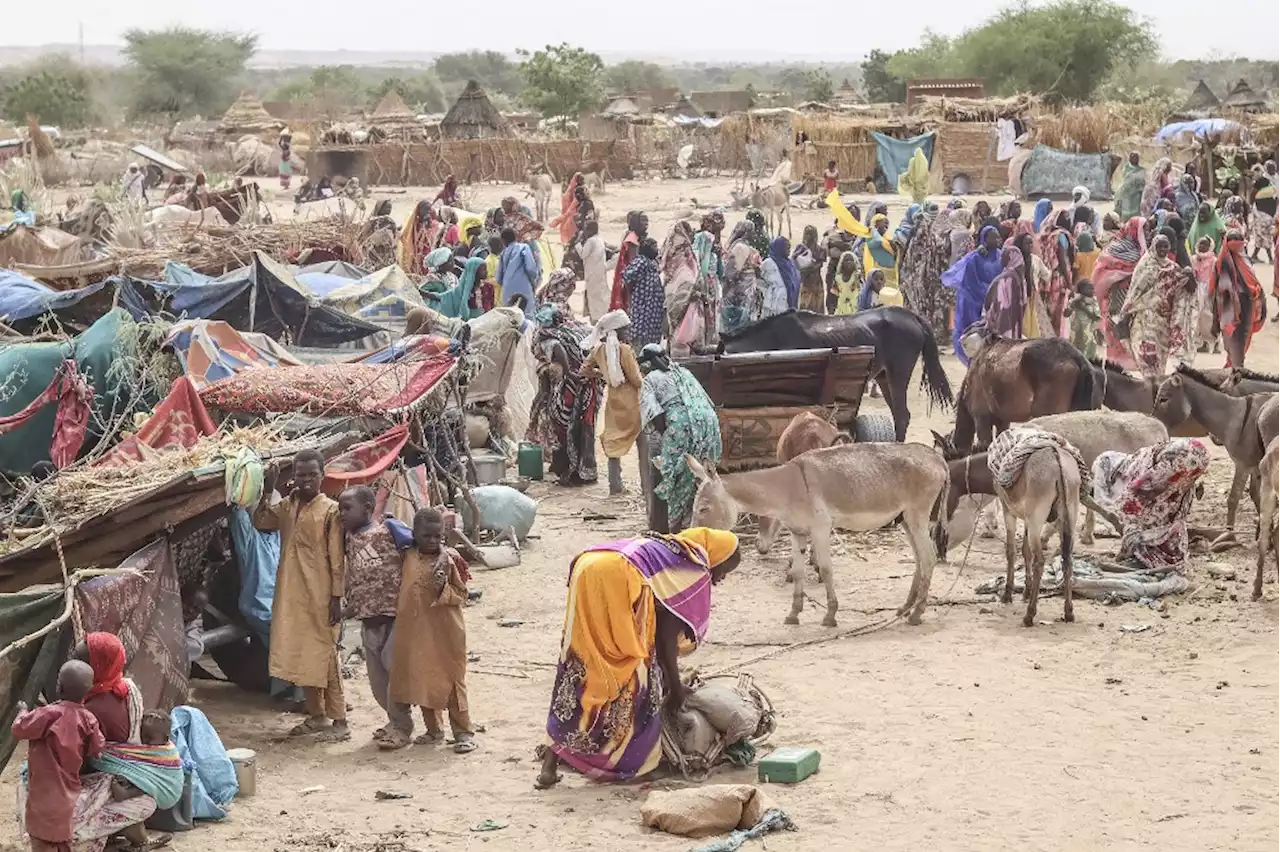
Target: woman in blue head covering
[780, 254]
[1043, 208]
[971, 277]
[907, 227]
[457, 301]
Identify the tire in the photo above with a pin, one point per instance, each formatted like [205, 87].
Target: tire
[874, 429]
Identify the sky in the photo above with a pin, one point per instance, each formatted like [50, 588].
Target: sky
[1188, 29]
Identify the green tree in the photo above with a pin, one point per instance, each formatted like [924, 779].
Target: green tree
[489, 68]
[183, 71]
[880, 85]
[55, 92]
[420, 91]
[818, 86]
[635, 76]
[562, 82]
[935, 57]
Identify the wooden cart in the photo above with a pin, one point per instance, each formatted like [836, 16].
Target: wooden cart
[757, 394]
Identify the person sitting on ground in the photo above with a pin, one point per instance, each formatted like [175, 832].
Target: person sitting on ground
[324, 188]
[307, 608]
[372, 590]
[429, 657]
[61, 737]
[1084, 314]
[448, 194]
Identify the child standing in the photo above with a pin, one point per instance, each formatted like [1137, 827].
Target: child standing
[1083, 311]
[613, 360]
[430, 655]
[1087, 252]
[372, 591]
[1202, 265]
[62, 735]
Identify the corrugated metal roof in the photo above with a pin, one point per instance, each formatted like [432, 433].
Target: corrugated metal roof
[158, 158]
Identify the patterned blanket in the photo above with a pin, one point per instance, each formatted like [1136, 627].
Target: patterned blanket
[154, 769]
[1009, 452]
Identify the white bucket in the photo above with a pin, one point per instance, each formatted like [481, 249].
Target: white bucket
[245, 761]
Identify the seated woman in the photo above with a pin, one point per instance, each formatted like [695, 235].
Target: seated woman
[631, 604]
[1151, 491]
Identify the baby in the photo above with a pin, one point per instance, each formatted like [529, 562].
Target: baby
[62, 735]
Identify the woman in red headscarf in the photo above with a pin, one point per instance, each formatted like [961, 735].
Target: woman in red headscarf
[1242, 307]
[112, 694]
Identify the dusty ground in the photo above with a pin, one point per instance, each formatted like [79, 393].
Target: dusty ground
[969, 732]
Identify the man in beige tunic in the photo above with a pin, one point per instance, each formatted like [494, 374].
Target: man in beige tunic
[611, 358]
[307, 607]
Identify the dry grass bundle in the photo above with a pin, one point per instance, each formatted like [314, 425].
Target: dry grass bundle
[217, 248]
[1082, 130]
[935, 108]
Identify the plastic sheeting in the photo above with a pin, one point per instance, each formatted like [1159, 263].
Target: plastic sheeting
[894, 155]
[258, 555]
[1199, 127]
[28, 669]
[23, 298]
[1053, 172]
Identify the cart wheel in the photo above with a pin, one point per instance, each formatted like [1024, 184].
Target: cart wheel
[874, 429]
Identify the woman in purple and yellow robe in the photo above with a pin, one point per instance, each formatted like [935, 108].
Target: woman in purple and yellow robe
[633, 606]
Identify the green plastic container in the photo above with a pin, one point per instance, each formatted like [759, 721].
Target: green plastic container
[529, 461]
[789, 765]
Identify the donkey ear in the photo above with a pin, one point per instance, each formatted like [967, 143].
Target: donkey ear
[699, 472]
[938, 440]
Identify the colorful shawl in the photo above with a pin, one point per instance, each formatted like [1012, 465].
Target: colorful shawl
[1129, 194]
[1161, 312]
[678, 574]
[1157, 183]
[779, 252]
[154, 769]
[971, 278]
[1233, 277]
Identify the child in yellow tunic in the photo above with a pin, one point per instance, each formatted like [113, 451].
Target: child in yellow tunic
[1087, 252]
[613, 360]
[429, 663]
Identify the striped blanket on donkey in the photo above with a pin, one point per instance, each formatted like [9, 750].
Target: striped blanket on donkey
[154, 769]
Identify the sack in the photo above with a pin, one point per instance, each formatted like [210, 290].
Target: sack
[701, 811]
[691, 327]
[973, 340]
[734, 714]
[697, 735]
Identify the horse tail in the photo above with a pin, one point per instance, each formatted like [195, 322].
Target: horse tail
[933, 379]
[1082, 397]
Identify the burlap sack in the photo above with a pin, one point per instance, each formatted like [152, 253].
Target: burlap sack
[702, 811]
[731, 712]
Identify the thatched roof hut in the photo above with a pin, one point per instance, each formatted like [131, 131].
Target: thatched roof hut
[473, 116]
[1243, 97]
[394, 118]
[247, 115]
[1202, 98]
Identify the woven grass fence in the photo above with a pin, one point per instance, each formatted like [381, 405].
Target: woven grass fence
[482, 160]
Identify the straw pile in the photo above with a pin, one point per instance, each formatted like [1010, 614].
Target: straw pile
[215, 249]
[935, 108]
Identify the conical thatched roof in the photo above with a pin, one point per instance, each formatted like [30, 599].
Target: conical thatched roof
[1243, 97]
[393, 116]
[473, 116]
[1202, 98]
[248, 115]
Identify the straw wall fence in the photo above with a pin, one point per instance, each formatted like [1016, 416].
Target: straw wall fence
[479, 160]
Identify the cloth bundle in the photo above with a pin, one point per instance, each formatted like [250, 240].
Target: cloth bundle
[1010, 450]
[154, 769]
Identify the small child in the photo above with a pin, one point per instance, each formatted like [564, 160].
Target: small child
[62, 736]
[1202, 263]
[372, 590]
[430, 656]
[1083, 311]
[1087, 252]
[491, 266]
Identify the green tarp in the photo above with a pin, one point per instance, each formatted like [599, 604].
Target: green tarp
[24, 673]
[104, 353]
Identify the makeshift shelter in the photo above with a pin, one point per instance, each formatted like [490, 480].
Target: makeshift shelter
[1242, 97]
[247, 115]
[622, 106]
[684, 108]
[1202, 99]
[473, 116]
[968, 137]
[393, 117]
[721, 103]
[1050, 172]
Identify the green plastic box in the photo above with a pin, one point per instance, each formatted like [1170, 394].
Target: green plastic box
[789, 765]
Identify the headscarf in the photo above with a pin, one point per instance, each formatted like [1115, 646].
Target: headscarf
[971, 278]
[1154, 189]
[606, 331]
[1129, 195]
[878, 246]
[1215, 229]
[715, 545]
[1239, 272]
[436, 258]
[1021, 227]
[1084, 239]
[107, 659]
[456, 301]
[1043, 208]
[915, 180]
[559, 287]
[1003, 315]
[467, 223]
[760, 239]
[907, 227]
[1185, 199]
[1079, 197]
[780, 254]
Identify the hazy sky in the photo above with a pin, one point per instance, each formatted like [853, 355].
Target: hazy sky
[718, 31]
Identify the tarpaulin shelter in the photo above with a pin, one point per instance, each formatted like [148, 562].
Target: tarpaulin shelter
[363, 463]
[263, 296]
[178, 421]
[1200, 127]
[381, 390]
[25, 671]
[894, 155]
[102, 354]
[211, 350]
[1053, 172]
[39, 246]
[22, 298]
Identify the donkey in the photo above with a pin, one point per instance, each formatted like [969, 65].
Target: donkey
[1269, 473]
[807, 431]
[541, 188]
[856, 487]
[776, 201]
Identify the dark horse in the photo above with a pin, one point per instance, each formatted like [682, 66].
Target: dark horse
[1011, 381]
[232, 203]
[900, 338]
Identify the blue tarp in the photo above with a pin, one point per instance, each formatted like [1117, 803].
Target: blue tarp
[258, 555]
[1197, 127]
[1053, 172]
[894, 155]
[22, 298]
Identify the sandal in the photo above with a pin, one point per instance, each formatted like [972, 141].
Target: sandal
[313, 725]
[465, 746]
[335, 734]
[429, 738]
[393, 739]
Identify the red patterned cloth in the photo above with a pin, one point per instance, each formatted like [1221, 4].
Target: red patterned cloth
[75, 399]
[363, 463]
[330, 389]
[179, 421]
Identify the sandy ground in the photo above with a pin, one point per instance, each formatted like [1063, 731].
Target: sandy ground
[969, 732]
